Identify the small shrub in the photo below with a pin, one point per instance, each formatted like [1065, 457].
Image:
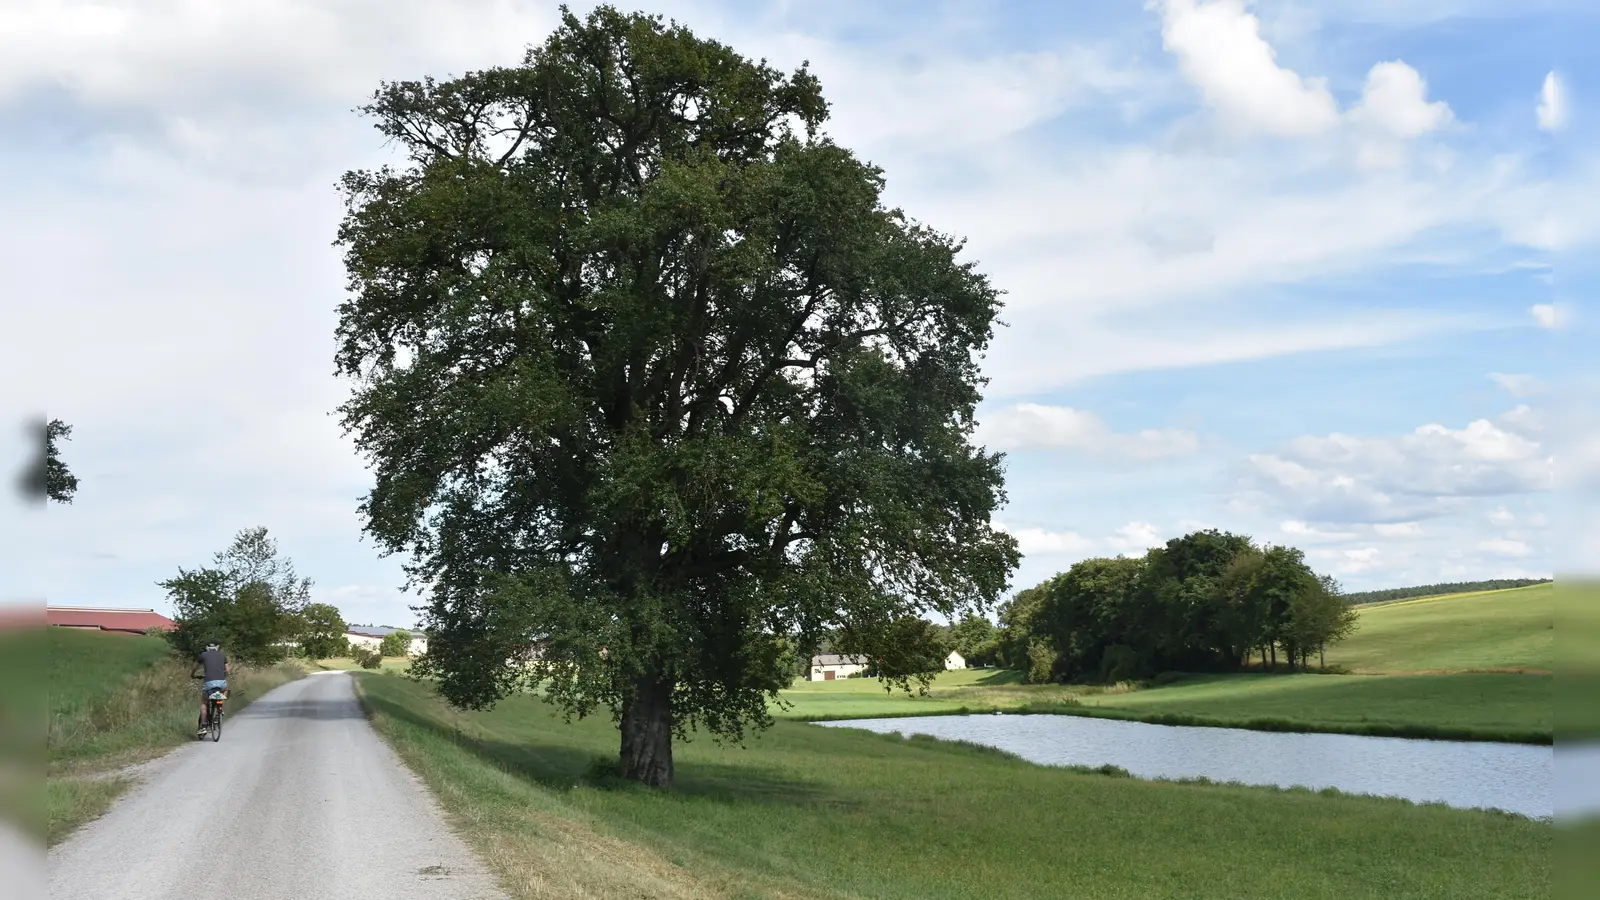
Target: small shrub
[1166, 678]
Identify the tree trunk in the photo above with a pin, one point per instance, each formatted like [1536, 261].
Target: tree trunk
[647, 732]
[1274, 656]
[1322, 657]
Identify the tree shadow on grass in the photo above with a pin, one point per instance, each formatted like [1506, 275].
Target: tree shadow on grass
[563, 768]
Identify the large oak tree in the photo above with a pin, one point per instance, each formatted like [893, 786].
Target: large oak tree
[655, 389]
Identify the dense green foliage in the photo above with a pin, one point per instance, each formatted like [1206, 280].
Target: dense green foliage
[819, 813]
[1206, 601]
[976, 639]
[653, 384]
[45, 476]
[322, 632]
[59, 482]
[395, 643]
[1434, 590]
[249, 600]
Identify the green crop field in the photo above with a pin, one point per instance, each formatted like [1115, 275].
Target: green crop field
[808, 812]
[1493, 630]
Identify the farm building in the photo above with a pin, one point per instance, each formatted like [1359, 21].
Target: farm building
[370, 636]
[123, 621]
[830, 666]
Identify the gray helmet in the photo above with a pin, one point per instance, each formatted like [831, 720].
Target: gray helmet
[213, 646]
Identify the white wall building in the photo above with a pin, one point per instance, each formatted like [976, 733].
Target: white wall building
[830, 666]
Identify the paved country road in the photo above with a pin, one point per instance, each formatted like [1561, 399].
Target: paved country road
[300, 799]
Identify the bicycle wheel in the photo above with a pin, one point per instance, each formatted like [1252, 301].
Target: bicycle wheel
[216, 723]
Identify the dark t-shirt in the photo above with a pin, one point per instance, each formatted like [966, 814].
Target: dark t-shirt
[216, 665]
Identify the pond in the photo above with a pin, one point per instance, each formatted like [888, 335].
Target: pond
[1517, 778]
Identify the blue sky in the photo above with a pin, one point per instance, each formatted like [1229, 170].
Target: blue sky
[1315, 272]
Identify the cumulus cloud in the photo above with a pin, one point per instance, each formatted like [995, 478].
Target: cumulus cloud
[1034, 426]
[1221, 51]
[1340, 478]
[1395, 101]
[1132, 539]
[1135, 538]
[1399, 529]
[1042, 541]
[1552, 110]
[1549, 315]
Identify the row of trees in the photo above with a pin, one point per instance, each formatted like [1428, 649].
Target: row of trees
[251, 602]
[1207, 601]
[1434, 590]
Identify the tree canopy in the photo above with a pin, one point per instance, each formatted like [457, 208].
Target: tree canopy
[655, 389]
[249, 600]
[45, 476]
[1203, 602]
[322, 631]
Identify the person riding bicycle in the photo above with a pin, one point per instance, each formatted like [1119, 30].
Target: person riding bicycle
[215, 668]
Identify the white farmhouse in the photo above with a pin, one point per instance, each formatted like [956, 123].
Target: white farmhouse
[830, 666]
[955, 661]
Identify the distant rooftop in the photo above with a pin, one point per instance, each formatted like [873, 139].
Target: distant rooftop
[378, 631]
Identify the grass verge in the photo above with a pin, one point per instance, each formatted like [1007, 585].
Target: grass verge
[813, 812]
[115, 701]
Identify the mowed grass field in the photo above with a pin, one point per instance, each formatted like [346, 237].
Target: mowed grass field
[808, 812]
[1511, 630]
[115, 700]
[1467, 666]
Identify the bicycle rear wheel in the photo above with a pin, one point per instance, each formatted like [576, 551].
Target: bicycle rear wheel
[216, 723]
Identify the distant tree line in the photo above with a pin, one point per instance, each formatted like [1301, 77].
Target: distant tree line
[1361, 598]
[1207, 601]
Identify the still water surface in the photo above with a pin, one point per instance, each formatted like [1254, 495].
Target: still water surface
[1516, 778]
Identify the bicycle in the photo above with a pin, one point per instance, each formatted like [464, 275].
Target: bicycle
[213, 722]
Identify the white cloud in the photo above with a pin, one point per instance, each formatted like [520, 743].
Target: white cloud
[1339, 478]
[1399, 529]
[1501, 516]
[1395, 101]
[1040, 541]
[1519, 385]
[1505, 547]
[1135, 539]
[1033, 426]
[1552, 110]
[1221, 51]
[1550, 315]
[1301, 531]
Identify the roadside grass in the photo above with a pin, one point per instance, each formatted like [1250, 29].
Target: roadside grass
[1511, 629]
[809, 812]
[120, 700]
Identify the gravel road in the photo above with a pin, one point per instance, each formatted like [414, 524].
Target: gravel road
[299, 799]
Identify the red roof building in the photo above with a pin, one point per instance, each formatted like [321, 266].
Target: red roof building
[128, 621]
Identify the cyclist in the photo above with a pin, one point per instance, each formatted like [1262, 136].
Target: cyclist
[215, 668]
